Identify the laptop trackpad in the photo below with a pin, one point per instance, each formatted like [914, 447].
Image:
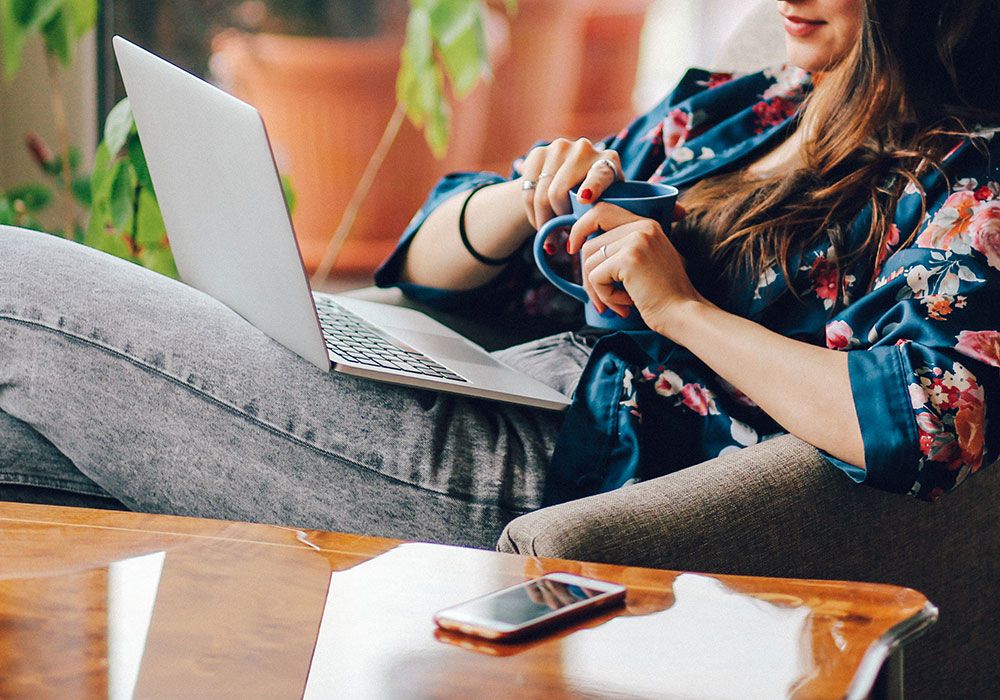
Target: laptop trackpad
[444, 348]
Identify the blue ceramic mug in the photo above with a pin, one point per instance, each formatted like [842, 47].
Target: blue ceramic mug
[645, 199]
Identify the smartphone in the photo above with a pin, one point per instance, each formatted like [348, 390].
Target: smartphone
[530, 606]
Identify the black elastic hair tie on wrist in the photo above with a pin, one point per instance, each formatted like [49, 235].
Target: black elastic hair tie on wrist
[495, 262]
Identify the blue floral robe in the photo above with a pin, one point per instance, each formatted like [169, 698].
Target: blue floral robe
[923, 344]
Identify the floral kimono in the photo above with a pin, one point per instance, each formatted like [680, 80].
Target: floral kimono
[921, 330]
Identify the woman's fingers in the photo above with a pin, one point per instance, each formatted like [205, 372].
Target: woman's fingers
[593, 255]
[601, 217]
[607, 287]
[577, 167]
[601, 174]
[556, 156]
[530, 170]
[550, 172]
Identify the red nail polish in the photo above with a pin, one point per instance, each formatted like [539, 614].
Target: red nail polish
[567, 247]
[586, 194]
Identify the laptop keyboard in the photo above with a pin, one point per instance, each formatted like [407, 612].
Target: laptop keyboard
[350, 337]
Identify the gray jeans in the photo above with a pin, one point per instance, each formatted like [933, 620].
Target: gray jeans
[118, 382]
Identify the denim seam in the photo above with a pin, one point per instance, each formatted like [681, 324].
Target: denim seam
[9, 479]
[235, 411]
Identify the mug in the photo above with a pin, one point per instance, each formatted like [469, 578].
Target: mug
[645, 199]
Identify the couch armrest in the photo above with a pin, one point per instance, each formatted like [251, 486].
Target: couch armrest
[492, 333]
[779, 509]
[745, 512]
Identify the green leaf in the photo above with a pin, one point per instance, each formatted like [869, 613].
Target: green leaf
[449, 18]
[122, 202]
[443, 37]
[99, 221]
[138, 159]
[14, 36]
[437, 130]
[114, 244]
[53, 167]
[419, 37]
[19, 19]
[464, 56]
[117, 126]
[82, 16]
[6, 212]
[74, 159]
[417, 58]
[159, 259]
[81, 190]
[32, 14]
[100, 234]
[289, 190]
[35, 197]
[100, 178]
[56, 35]
[149, 228]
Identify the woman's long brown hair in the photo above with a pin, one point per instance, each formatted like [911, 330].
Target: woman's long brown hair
[921, 75]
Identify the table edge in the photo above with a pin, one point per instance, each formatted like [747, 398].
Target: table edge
[893, 639]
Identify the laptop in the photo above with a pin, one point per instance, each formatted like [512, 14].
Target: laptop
[229, 228]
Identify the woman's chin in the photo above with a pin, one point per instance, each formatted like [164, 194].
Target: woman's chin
[808, 58]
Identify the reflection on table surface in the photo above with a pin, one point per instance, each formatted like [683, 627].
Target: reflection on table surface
[122, 605]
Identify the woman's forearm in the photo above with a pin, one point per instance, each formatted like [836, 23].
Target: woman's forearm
[496, 224]
[805, 388]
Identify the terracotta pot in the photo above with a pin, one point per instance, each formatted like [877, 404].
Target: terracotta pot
[326, 103]
[532, 90]
[603, 103]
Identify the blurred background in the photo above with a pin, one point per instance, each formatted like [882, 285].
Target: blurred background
[323, 74]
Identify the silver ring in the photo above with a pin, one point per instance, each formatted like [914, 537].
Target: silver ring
[544, 175]
[529, 185]
[604, 249]
[607, 163]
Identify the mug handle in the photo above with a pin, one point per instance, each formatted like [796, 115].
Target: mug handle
[541, 259]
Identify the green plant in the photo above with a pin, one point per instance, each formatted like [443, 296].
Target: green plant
[125, 217]
[444, 39]
[113, 208]
[61, 24]
[445, 51]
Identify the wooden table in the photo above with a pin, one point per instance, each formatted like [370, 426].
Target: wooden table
[102, 604]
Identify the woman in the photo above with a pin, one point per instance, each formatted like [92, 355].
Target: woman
[835, 277]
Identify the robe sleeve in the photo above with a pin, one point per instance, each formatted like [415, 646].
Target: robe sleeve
[924, 345]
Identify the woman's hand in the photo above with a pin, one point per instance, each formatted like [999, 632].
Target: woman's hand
[632, 264]
[559, 167]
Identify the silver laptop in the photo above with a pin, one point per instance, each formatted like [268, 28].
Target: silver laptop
[232, 238]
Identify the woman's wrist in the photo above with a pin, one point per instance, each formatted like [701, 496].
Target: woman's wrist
[496, 228]
[685, 319]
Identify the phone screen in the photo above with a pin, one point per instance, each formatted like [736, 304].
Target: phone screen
[517, 606]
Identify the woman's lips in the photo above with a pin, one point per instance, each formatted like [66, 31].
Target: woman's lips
[797, 26]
